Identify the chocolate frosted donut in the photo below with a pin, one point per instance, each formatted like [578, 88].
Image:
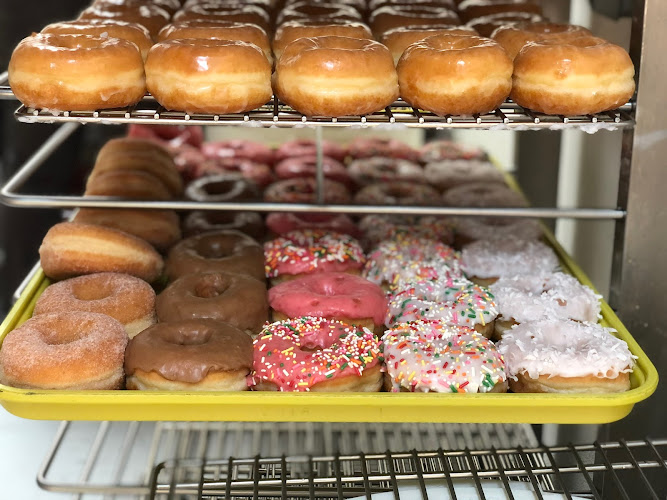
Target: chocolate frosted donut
[222, 188]
[201, 221]
[483, 194]
[236, 299]
[397, 193]
[193, 355]
[218, 251]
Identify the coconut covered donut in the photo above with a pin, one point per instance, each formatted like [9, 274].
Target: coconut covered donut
[428, 356]
[566, 356]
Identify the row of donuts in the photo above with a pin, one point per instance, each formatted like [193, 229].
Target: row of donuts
[237, 74]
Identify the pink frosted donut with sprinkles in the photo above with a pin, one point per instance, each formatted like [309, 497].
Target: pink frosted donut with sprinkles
[429, 356]
[410, 259]
[379, 228]
[299, 253]
[315, 354]
[456, 302]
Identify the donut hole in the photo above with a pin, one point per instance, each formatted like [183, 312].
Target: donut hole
[210, 287]
[86, 292]
[219, 187]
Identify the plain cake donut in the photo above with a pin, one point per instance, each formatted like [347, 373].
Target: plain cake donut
[127, 299]
[76, 72]
[336, 76]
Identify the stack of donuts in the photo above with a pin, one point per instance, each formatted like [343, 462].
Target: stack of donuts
[350, 57]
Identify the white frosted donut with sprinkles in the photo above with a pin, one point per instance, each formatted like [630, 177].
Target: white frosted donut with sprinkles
[316, 354]
[566, 356]
[428, 356]
[485, 261]
[456, 302]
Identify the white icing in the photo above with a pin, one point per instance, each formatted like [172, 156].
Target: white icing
[556, 295]
[509, 257]
[564, 348]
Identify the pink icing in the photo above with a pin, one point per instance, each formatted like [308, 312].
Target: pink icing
[281, 222]
[330, 295]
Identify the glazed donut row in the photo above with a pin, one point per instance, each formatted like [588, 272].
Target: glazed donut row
[217, 57]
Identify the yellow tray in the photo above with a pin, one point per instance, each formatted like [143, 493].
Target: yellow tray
[323, 407]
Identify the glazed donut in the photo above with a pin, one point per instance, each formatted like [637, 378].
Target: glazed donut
[160, 228]
[336, 296]
[303, 11]
[368, 171]
[471, 9]
[451, 74]
[267, 5]
[280, 223]
[514, 37]
[447, 4]
[305, 191]
[487, 25]
[221, 188]
[228, 297]
[315, 354]
[397, 193]
[192, 355]
[63, 72]
[411, 259]
[484, 262]
[336, 76]
[132, 32]
[218, 30]
[306, 166]
[529, 298]
[72, 248]
[448, 150]
[370, 147]
[309, 28]
[256, 173]
[216, 251]
[71, 350]
[127, 299]
[200, 221]
[483, 194]
[249, 14]
[428, 356]
[208, 76]
[358, 5]
[170, 6]
[452, 301]
[451, 173]
[152, 17]
[129, 184]
[306, 147]
[306, 251]
[399, 39]
[379, 228]
[239, 148]
[385, 18]
[598, 76]
[469, 229]
[566, 356]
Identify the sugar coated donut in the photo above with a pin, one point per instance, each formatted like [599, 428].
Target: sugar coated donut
[221, 188]
[371, 170]
[483, 194]
[370, 147]
[290, 31]
[450, 74]
[71, 350]
[229, 297]
[121, 296]
[283, 222]
[307, 251]
[63, 72]
[72, 248]
[219, 251]
[315, 354]
[132, 32]
[514, 36]
[339, 296]
[306, 147]
[585, 75]
[399, 39]
[397, 193]
[566, 356]
[336, 76]
[306, 166]
[200, 221]
[485, 261]
[469, 229]
[451, 173]
[379, 228]
[471, 9]
[192, 355]
[208, 76]
[428, 356]
[447, 150]
[304, 190]
[452, 301]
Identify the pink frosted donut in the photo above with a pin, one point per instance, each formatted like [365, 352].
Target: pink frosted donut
[170, 136]
[315, 354]
[259, 173]
[191, 163]
[305, 252]
[305, 191]
[379, 228]
[371, 170]
[306, 147]
[306, 166]
[343, 297]
[390, 148]
[239, 148]
[284, 222]
[448, 150]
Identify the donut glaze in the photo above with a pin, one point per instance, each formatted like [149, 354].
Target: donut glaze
[371, 170]
[239, 148]
[290, 31]
[306, 166]
[379, 228]
[370, 147]
[399, 39]
[514, 36]
[483, 194]
[258, 173]
[397, 193]
[304, 190]
[306, 147]
[125, 298]
[451, 173]
[448, 150]
[221, 188]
